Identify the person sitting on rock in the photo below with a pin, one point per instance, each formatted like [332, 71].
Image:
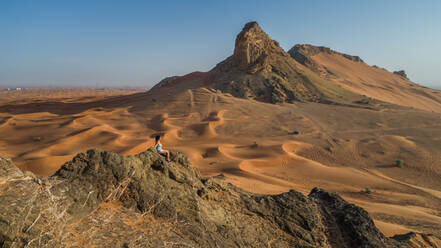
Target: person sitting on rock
[158, 147]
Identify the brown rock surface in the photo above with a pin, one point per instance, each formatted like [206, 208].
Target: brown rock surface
[103, 199]
[260, 69]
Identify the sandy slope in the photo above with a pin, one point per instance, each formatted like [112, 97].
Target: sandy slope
[341, 149]
[377, 83]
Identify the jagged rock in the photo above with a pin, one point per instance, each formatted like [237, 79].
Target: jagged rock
[258, 69]
[401, 73]
[302, 52]
[103, 199]
[347, 223]
[254, 48]
[8, 171]
[262, 70]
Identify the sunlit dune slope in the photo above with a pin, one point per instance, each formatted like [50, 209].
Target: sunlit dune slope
[351, 73]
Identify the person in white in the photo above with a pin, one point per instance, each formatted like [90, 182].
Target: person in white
[158, 147]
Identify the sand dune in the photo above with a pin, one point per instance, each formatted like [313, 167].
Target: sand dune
[390, 229]
[253, 145]
[378, 83]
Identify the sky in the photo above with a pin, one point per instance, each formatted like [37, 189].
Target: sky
[137, 43]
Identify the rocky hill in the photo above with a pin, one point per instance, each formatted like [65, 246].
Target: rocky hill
[303, 54]
[260, 69]
[353, 74]
[102, 199]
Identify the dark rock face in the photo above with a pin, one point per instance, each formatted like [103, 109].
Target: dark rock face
[258, 69]
[262, 70]
[401, 73]
[254, 48]
[347, 223]
[103, 199]
[302, 53]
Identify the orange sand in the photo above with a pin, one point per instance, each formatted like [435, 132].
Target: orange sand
[340, 149]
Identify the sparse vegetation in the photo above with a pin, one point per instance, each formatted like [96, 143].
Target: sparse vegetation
[367, 191]
[399, 163]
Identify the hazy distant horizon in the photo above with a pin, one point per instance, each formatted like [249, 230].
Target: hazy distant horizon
[114, 86]
[137, 43]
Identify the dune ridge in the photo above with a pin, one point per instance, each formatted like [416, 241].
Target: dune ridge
[217, 135]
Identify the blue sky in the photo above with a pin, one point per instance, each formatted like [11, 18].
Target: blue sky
[137, 43]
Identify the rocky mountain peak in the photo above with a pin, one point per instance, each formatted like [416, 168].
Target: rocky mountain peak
[254, 48]
[260, 69]
[251, 25]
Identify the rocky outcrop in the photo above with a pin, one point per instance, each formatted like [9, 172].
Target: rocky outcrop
[346, 223]
[401, 73]
[255, 51]
[260, 69]
[302, 53]
[102, 199]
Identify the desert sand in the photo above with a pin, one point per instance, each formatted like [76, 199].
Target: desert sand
[250, 144]
[378, 83]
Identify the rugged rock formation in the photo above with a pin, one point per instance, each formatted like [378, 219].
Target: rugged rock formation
[255, 51]
[103, 199]
[302, 54]
[401, 73]
[260, 69]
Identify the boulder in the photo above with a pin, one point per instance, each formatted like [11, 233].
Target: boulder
[401, 73]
